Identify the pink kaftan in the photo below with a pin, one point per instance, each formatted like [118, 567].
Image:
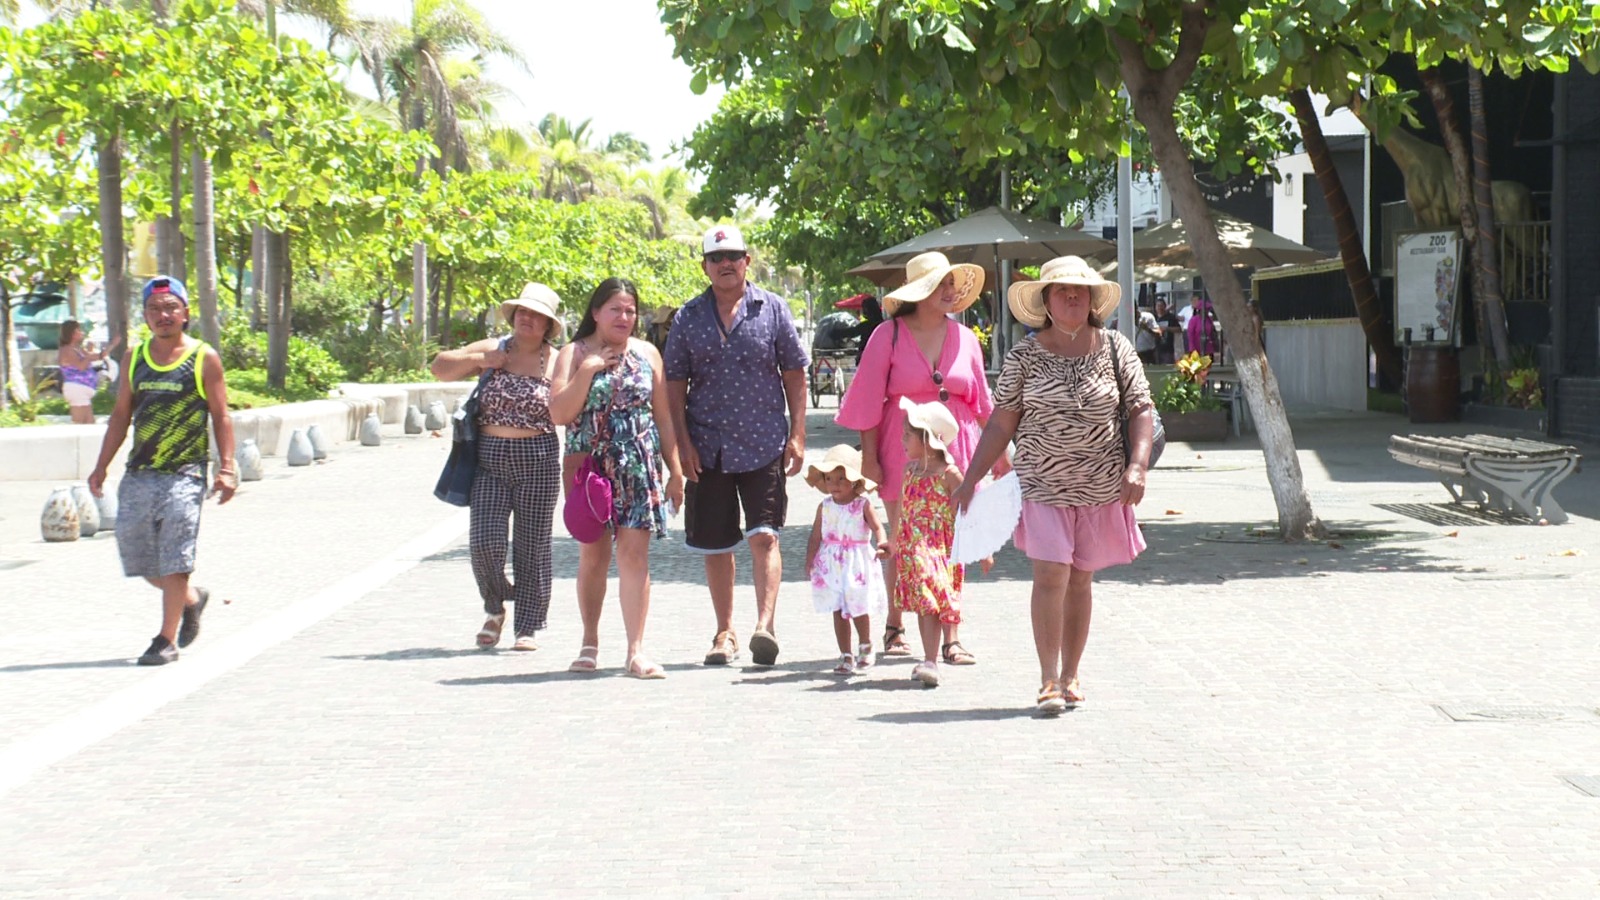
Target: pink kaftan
[873, 399]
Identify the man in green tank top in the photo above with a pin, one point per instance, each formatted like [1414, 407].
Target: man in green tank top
[169, 390]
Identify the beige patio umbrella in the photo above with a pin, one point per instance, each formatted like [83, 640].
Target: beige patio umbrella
[990, 235]
[1247, 245]
[1151, 273]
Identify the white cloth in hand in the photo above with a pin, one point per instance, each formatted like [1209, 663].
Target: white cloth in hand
[990, 519]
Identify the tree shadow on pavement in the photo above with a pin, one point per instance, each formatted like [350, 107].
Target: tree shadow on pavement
[1191, 553]
[940, 716]
[70, 664]
[418, 653]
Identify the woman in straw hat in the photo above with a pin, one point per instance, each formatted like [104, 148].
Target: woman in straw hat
[611, 396]
[519, 462]
[1058, 397]
[919, 353]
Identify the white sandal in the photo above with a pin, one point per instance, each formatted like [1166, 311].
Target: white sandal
[846, 666]
[489, 634]
[863, 655]
[588, 659]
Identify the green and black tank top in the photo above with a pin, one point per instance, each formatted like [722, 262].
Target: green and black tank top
[170, 416]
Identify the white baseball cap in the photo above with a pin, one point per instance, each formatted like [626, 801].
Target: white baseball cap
[724, 237]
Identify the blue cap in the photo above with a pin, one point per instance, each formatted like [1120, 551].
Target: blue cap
[161, 284]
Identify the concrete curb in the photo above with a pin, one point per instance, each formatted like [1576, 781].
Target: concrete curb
[68, 452]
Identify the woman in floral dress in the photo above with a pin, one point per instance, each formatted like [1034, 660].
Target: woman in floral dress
[611, 396]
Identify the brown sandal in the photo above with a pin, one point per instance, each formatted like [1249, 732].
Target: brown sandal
[1072, 692]
[894, 641]
[957, 655]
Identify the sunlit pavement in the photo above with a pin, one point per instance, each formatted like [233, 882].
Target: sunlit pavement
[1408, 710]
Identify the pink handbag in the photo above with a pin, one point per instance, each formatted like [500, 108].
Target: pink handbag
[587, 513]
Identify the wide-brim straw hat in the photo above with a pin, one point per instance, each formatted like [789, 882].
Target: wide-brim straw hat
[1026, 298]
[923, 274]
[935, 420]
[541, 300]
[841, 456]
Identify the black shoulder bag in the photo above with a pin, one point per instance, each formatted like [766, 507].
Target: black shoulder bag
[455, 482]
[1158, 432]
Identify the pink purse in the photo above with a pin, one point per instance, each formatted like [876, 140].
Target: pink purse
[587, 513]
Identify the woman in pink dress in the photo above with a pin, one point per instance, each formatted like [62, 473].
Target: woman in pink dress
[920, 353]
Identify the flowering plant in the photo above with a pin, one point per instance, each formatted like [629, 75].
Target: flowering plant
[1184, 390]
[983, 336]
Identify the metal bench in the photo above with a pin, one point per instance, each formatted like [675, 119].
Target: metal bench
[1513, 475]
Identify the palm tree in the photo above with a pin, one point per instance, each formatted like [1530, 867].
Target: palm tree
[664, 193]
[409, 61]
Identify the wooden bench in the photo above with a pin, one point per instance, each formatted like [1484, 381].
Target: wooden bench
[1509, 474]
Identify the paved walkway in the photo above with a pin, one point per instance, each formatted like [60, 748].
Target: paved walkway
[1263, 719]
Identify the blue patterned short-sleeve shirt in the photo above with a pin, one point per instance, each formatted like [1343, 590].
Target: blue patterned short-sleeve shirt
[737, 414]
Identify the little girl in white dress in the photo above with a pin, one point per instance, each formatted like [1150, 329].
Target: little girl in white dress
[842, 557]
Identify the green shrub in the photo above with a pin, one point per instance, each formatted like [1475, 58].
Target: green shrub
[312, 371]
[386, 355]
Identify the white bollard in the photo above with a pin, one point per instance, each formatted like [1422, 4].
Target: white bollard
[437, 418]
[107, 504]
[413, 420]
[299, 449]
[59, 520]
[249, 460]
[319, 443]
[88, 513]
[371, 430]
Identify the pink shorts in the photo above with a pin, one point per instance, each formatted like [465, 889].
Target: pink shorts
[1087, 538]
[78, 394]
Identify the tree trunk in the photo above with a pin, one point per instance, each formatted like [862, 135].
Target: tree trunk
[205, 249]
[113, 253]
[240, 248]
[258, 277]
[443, 330]
[1356, 272]
[277, 324]
[1486, 294]
[1486, 261]
[8, 345]
[174, 263]
[419, 250]
[1153, 96]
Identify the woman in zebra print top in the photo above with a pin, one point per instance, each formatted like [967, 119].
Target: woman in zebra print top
[1058, 397]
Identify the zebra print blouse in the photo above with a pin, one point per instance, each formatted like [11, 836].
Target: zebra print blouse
[1069, 450]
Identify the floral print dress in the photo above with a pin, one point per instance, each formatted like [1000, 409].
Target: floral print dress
[926, 581]
[845, 576]
[618, 428]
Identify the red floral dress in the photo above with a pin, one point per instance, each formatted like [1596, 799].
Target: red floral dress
[926, 582]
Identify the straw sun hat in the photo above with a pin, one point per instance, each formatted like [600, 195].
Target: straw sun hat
[1026, 298]
[841, 456]
[933, 419]
[541, 300]
[923, 274]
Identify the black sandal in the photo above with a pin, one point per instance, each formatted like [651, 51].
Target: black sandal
[894, 641]
[957, 655]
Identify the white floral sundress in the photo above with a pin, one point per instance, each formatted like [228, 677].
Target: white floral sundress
[846, 577]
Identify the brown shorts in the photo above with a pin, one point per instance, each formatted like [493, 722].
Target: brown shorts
[711, 506]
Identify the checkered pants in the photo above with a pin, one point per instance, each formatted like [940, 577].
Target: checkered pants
[520, 476]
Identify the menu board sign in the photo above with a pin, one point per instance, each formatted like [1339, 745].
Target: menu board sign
[1427, 279]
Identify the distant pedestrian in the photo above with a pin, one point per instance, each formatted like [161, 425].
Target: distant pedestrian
[736, 373]
[610, 396]
[1147, 337]
[927, 583]
[80, 364]
[1170, 327]
[842, 557]
[519, 467]
[171, 391]
[1058, 396]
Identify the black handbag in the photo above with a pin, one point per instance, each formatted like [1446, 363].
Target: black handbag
[455, 482]
[1158, 431]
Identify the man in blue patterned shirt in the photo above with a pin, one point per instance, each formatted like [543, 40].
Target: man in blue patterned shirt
[736, 383]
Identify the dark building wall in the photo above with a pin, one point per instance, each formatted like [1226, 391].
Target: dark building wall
[1580, 250]
[1319, 231]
